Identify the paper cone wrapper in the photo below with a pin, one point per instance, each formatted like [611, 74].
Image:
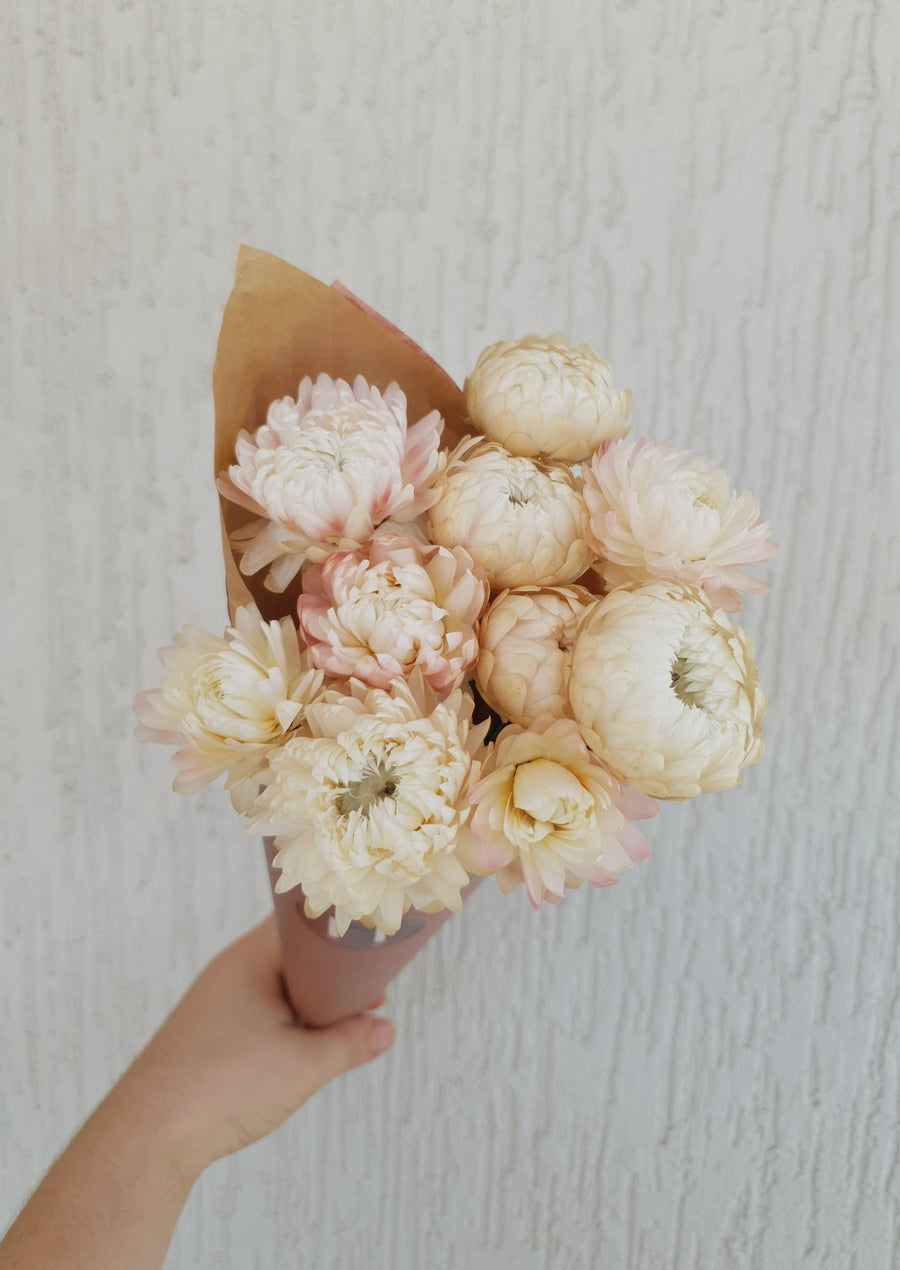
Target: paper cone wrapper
[279, 326]
[329, 977]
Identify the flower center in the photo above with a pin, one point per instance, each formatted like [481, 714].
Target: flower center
[213, 688]
[706, 500]
[699, 680]
[521, 485]
[327, 449]
[376, 782]
[680, 681]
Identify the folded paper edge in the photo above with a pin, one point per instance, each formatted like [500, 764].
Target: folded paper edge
[263, 278]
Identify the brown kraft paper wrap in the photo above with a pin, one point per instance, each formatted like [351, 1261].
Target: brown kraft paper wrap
[279, 326]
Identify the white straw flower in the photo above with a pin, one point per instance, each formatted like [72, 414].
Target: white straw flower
[666, 691]
[326, 471]
[654, 516]
[524, 521]
[542, 397]
[378, 613]
[526, 646]
[227, 701]
[546, 814]
[368, 806]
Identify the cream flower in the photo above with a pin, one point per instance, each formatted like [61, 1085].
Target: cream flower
[542, 397]
[368, 806]
[522, 520]
[526, 647]
[666, 691]
[547, 813]
[326, 471]
[376, 614]
[227, 702]
[653, 516]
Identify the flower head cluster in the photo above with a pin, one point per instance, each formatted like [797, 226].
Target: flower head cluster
[544, 398]
[522, 520]
[654, 516]
[326, 470]
[367, 805]
[666, 691]
[379, 612]
[526, 649]
[549, 815]
[228, 702]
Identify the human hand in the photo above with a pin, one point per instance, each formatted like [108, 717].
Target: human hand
[227, 1066]
[231, 1064]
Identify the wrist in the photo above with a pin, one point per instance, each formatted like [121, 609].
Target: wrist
[150, 1109]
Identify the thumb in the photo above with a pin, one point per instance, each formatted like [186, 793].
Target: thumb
[331, 1050]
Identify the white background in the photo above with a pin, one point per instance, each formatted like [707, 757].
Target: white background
[699, 1068]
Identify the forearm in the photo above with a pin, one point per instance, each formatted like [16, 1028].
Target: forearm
[114, 1196]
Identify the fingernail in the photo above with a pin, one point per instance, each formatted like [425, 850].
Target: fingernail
[381, 1036]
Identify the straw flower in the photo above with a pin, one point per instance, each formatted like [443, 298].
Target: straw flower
[378, 613]
[666, 691]
[542, 397]
[547, 814]
[654, 516]
[227, 701]
[522, 520]
[326, 470]
[368, 803]
[526, 647]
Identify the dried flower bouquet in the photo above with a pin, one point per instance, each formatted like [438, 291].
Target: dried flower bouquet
[472, 633]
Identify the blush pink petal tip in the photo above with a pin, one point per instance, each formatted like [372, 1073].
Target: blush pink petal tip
[633, 842]
[229, 490]
[634, 805]
[145, 709]
[600, 883]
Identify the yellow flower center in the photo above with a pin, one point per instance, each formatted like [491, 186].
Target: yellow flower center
[376, 783]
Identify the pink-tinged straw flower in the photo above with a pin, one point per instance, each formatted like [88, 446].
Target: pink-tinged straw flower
[654, 516]
[326, 470]
[526, 647]
[665, 690]
[378, 613]
[226, 702]
[367, 805]
[524, 521]
[544, 398]
[549, 815]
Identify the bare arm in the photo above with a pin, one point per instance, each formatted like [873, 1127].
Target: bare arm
[228, 1066]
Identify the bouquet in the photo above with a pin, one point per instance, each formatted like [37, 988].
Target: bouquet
[472, 634]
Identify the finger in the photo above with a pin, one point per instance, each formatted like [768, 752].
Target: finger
[329, 1051]
[378, 1002]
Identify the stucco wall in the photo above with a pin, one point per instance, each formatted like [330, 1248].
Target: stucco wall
[697, 1068]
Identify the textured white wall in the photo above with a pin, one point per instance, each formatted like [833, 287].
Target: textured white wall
[699, 1068]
